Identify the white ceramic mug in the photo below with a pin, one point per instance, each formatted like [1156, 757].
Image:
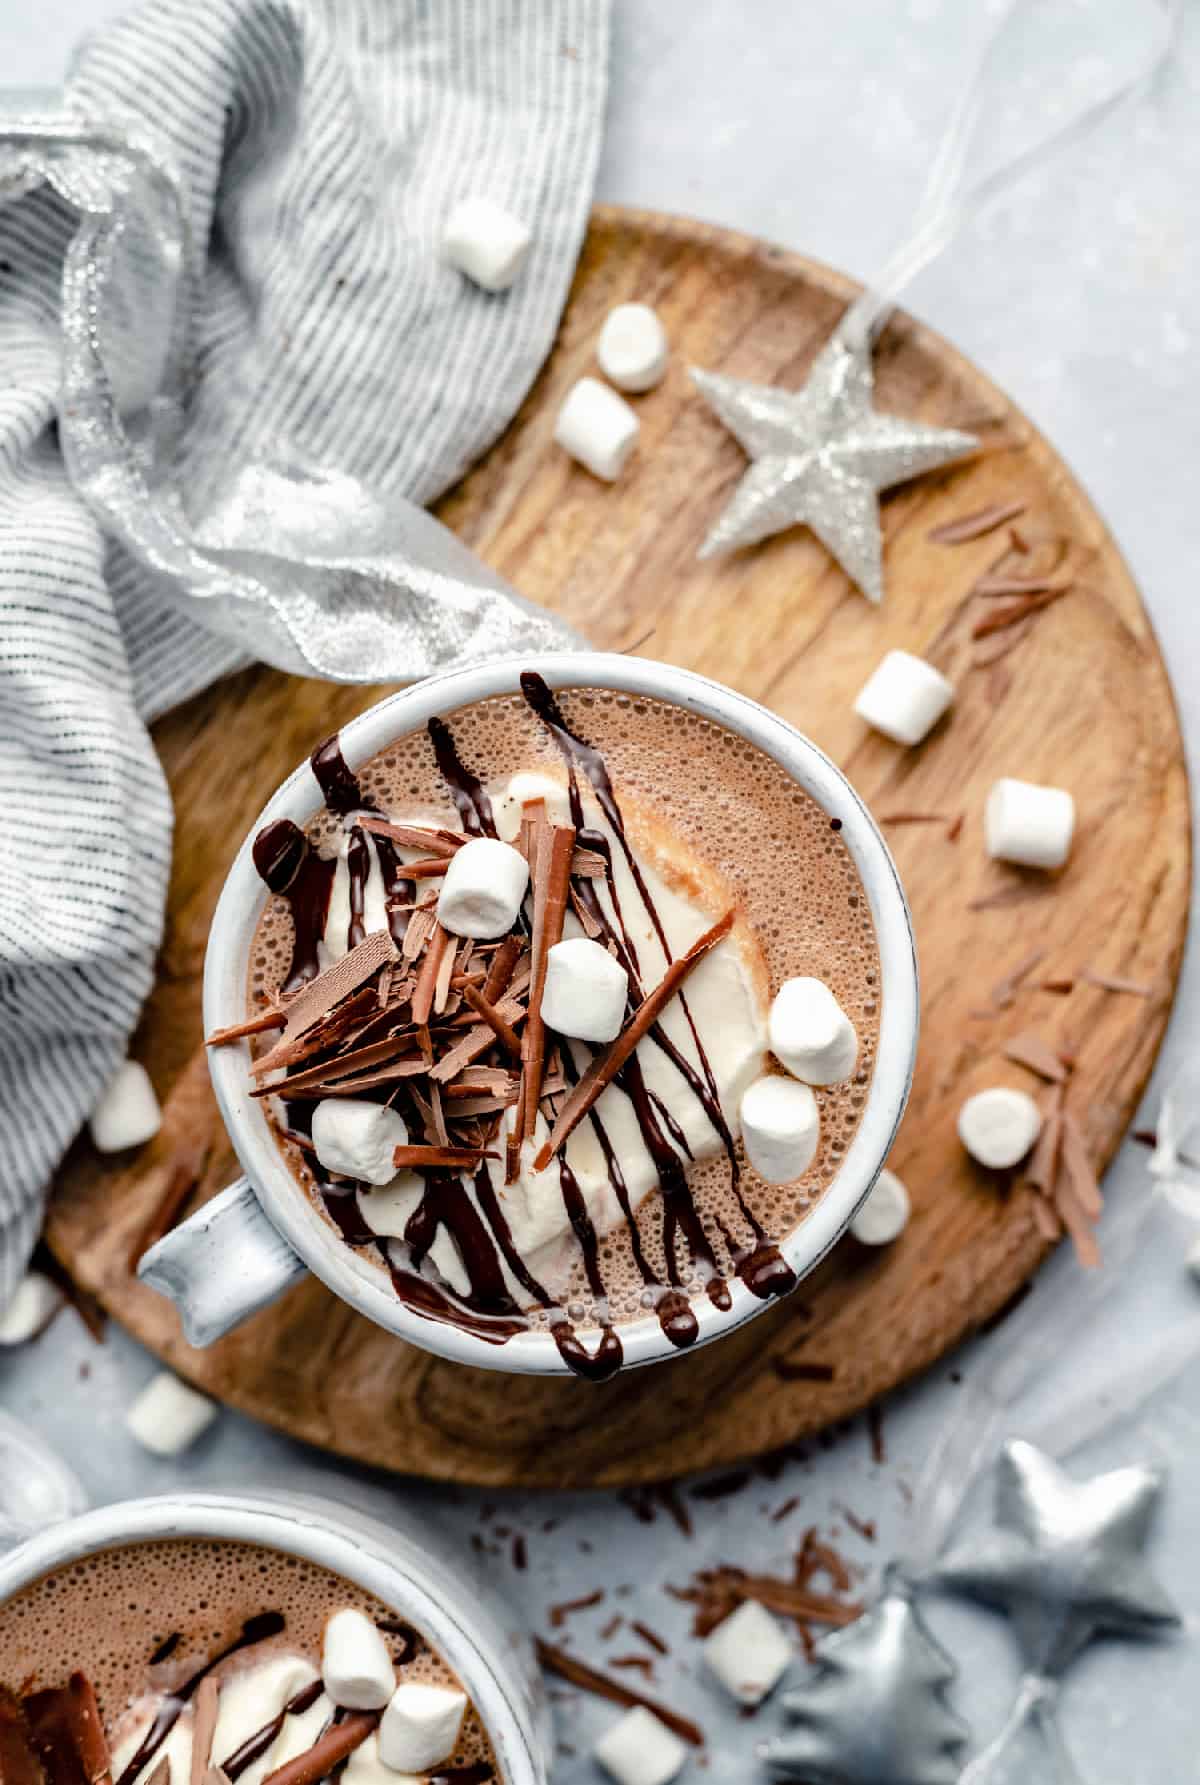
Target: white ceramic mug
[253, 1240]
[398, 1562]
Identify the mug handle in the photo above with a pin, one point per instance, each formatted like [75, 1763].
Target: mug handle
[222, 1264]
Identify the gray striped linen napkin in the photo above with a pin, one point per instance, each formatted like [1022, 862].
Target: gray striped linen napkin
[232, 368]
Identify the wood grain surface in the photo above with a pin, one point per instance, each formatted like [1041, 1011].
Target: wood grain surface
[1076, 695]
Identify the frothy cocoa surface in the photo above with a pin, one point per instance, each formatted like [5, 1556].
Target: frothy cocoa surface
[739, 813]
[112, 1612]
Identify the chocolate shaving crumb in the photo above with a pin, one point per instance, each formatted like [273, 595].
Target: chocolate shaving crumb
[420, 928]
[577, 1673]
[798, 1369]
[1077, 1166]
[316, 999]
[1042, 1169]
[913, 818]
[975, 525]
[650, 1636]
[503, 1030]
[1022, 609]
[560, 1613]
[781, 1512]
[425, 989]
[1112, 982]
[502, 968]
[253, 1025]
[413, 836]
[1061, 986]
[1006, 989]
[875, 1433]
[607, 1064]
[1030, 1050]
[954, 828]
[611, 1628]
[435, 1157]
[642, 1663]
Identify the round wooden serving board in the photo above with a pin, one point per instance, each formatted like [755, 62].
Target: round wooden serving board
[1079, 698]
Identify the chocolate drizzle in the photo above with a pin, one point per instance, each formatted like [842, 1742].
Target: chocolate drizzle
[472, 1213]
[256, 1745]
[255, 1630]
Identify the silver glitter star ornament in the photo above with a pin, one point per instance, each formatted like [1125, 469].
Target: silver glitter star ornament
[1065, 1558]
[819, 457]
[875, 1714]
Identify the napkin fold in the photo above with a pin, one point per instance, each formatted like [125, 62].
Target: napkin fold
[232, 370]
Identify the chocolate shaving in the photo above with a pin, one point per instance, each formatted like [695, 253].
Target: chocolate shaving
[1030, 1050]
[476, 1042]
[606, 1065]
[551, 879]
[1061, 986]
[589, 864]
[413, 836]
[1043, 1166]
[410, 1067]
[66, 1731]
[1004, 992]
[439, 1157]
[1022, 609]
[204, 1726]
[441, 990]
[504, 1032]
[440, 1132]
[428, 869]
[954, 828]
[1112, 982]
[425, 989]
[1077, 1166]
[560, 1613]
[328, 1751]
[19, 1762]
[491, 1081]
[577, 1673]
[395, 1049]
[502, 968]
[913, 818]
[330, 988]
[975, 525]
[592, 927]
[420, 928]
[253, 1025]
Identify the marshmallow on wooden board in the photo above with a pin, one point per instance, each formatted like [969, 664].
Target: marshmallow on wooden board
[32, 1306]
[168, 1416]
[485, 242]
[781, 1125]
[748, 1652]
[999, 1126]
[632, 350]
[127, 1114]
[585, 991]
[420, 1726]
[483, 889]
[597, 427]
[904, 697]
[640, 1750]
[810, 1034]
[1027, 824]
[357, 1138]
[884, 1215]
[355, 1664]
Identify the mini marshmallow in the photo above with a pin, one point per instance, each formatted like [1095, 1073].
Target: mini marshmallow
[357, 1139]
[485, 242]
[585, 991]
[127, 1114]
[483, 889]
[639, 1750]
[904, 697]
[355, 1664]
[1028, 824]
[632, 350]
[884, 1215]
[781, 1125]
[597, 427]
[810, 1034]
[168, 1416]
[748, 1652]
[420, 1727]
[998, 1126]
[35, 1301]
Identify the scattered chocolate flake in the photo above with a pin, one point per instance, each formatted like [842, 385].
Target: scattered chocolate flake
[864, 1527]
[875, 1433]
[425, 989]
[781, 1512]
[577, 1673]
[1030, 1050]
[955, 827]
[1023, 608]
[975, 525]
[607, 1064]
[1146, 1137]
[722, 1485]
[649, 1636]
[1060, 986]
[1113, 982]
[913, 818]
[439, 1157]
[1004, 992]
[520, 1553]
[501, 1028]
[330, 988]
[799, 1369]
[560, 1613]
[1077, 1166]
[611, 1628]
[643, 1664]
[717, 1592]
[645, 1503]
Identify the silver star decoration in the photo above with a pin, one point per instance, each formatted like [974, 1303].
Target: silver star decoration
[875, 1714]
[1065, 1558]
[820, 457]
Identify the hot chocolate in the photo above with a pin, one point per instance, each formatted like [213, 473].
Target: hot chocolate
[227, 1645]
[511, 989]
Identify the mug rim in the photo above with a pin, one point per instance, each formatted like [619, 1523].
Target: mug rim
[363, 1284]
[352, 1544]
